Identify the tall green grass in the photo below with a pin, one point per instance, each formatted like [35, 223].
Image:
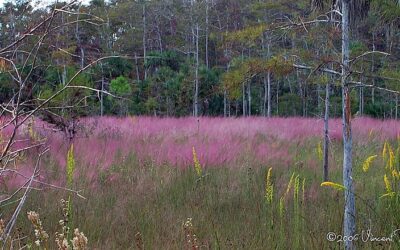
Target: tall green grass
[136, 205]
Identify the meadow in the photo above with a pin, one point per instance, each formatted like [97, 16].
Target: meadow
[213, 183]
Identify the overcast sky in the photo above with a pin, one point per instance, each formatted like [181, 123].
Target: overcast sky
[43, 2]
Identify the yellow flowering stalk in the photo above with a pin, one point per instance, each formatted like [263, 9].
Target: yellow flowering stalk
[367, 162]
[388, 185]
[282, 206]
[70, 165]
[391, 195]
[296, 188]
[269, 187]
[384, 151]
[197, 165]
[395, 174]
[333, 185]
[397, 158]
[282, 199]
[391, 159]
[289, 186]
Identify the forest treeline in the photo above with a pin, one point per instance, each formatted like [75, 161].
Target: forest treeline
[206, 57]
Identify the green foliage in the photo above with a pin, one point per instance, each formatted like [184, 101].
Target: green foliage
[376, 109]
[118, 67]
[279, 66]
[290, 105]
[167, 59]
[245, 41]
[388, 10]
[393, 76]
[69, 97]
[248, 36]
[151, 104]
[6, 86]
[120, 86]
[357, 48]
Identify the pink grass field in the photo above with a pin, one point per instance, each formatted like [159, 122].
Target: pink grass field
[107, 141]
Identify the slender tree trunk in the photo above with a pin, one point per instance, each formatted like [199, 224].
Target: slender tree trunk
[326, 134]
[349, 222]
[225, 104]
[137, 68]
[244, 99]
[269, 94]
[301, 93]
[160, 44]
[196, 92]
[319, 99]
[78, 38]
[277, 98]
[265, 96]
[236, 107]
[206, 42]
[361, 104]
[229, 108]
[102, 91]
[249, 97]
[144, 40]
[267, 84]
[397, 106]
[388, 38]
[373, 68]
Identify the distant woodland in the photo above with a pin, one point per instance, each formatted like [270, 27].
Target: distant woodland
[205, 58]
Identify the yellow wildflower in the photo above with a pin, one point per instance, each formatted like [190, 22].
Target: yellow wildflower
[391, 194]
[197, 165]
[333, 185]
[289, 186]
[395, 174]
[296, 188]
[391, 159]
[282, 206]
[269, 187]
[388, 185]
[384, 151]
[70, 165]
[368, 162]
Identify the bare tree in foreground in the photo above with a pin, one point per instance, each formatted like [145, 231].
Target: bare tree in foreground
[18, 112]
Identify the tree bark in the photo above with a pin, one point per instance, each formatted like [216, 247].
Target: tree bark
[225, 103]
[196, 92]
[397, 106]
[144, 40]
[249, 97]
[137, 68]
[206, 42]
[349, 222]
[244, 99]
[78, 38]
[269, 94]
[265, 101]
[267, 85]
[373, 68]
[102, 91]
[277, 98]
[326, 135]
[361, 104]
